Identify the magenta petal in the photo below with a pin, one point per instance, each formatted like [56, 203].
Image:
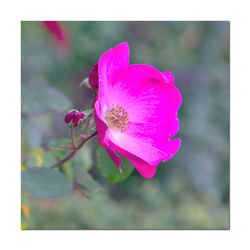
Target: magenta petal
[101, 127]
[136, 111]
[114, 59]
[145, 169]
[69, 116]
[110, 62]
[135, 146]
[115, 157]
[142, 91]
[75, 120]
[80, 115]
[171, 148]
[169, 77]
[156, 134]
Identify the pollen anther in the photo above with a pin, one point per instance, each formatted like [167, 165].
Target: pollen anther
[117, 118]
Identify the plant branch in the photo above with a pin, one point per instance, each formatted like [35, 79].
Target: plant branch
[74, 152]
[72, 138]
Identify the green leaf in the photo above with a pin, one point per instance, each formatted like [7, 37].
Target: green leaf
[40, 98]
[84, 178]
[39, 157]
[68, 171]
[31, 132]
[45, 183]
[109, 170]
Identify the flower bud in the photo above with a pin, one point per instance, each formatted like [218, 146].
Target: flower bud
[72, 117]
[93, 77]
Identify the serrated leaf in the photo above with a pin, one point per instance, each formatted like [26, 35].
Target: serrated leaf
[84, 178]
[40, 98]
[45, 183]
[108, 168]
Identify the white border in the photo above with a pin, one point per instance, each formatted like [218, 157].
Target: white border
[13, 12]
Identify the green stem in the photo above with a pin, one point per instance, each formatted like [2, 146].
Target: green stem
[72, 138]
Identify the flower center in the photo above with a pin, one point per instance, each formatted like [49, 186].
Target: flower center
[117, 118]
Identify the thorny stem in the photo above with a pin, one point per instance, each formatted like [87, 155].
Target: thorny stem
[72, 138]
[74, 152]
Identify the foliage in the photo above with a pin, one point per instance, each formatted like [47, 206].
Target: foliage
[45, 183]
[191, 191]
[109, 170]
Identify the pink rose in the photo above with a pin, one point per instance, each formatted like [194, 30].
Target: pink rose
[136, 111]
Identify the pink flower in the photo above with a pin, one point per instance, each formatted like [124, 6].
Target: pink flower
[73, 117]
[136, 111]
[93, 77]
[59, 33]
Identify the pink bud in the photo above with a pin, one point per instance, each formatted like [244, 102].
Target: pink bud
[93, 77]
[72, 117]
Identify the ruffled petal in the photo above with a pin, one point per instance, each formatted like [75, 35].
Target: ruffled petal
[143, 93]
[110, 62]
[136, 147]
[115, 157]
[171, 148]
[145, 169]
[151, 105]
[102, 128]
[151, 101]
[155, 132]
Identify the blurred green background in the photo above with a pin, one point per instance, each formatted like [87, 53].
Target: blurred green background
[191, 191]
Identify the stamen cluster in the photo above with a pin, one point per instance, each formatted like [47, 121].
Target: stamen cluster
[117, 118]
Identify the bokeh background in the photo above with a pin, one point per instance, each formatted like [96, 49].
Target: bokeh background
[190, 191]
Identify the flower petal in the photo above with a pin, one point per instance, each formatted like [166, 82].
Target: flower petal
[153, 132]
[136, 147]
[145, 169]
[115, 157]
[113, 60]
[69, 116]
[169, 77]
[101, 127]
[142, 91]
[171, 148]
